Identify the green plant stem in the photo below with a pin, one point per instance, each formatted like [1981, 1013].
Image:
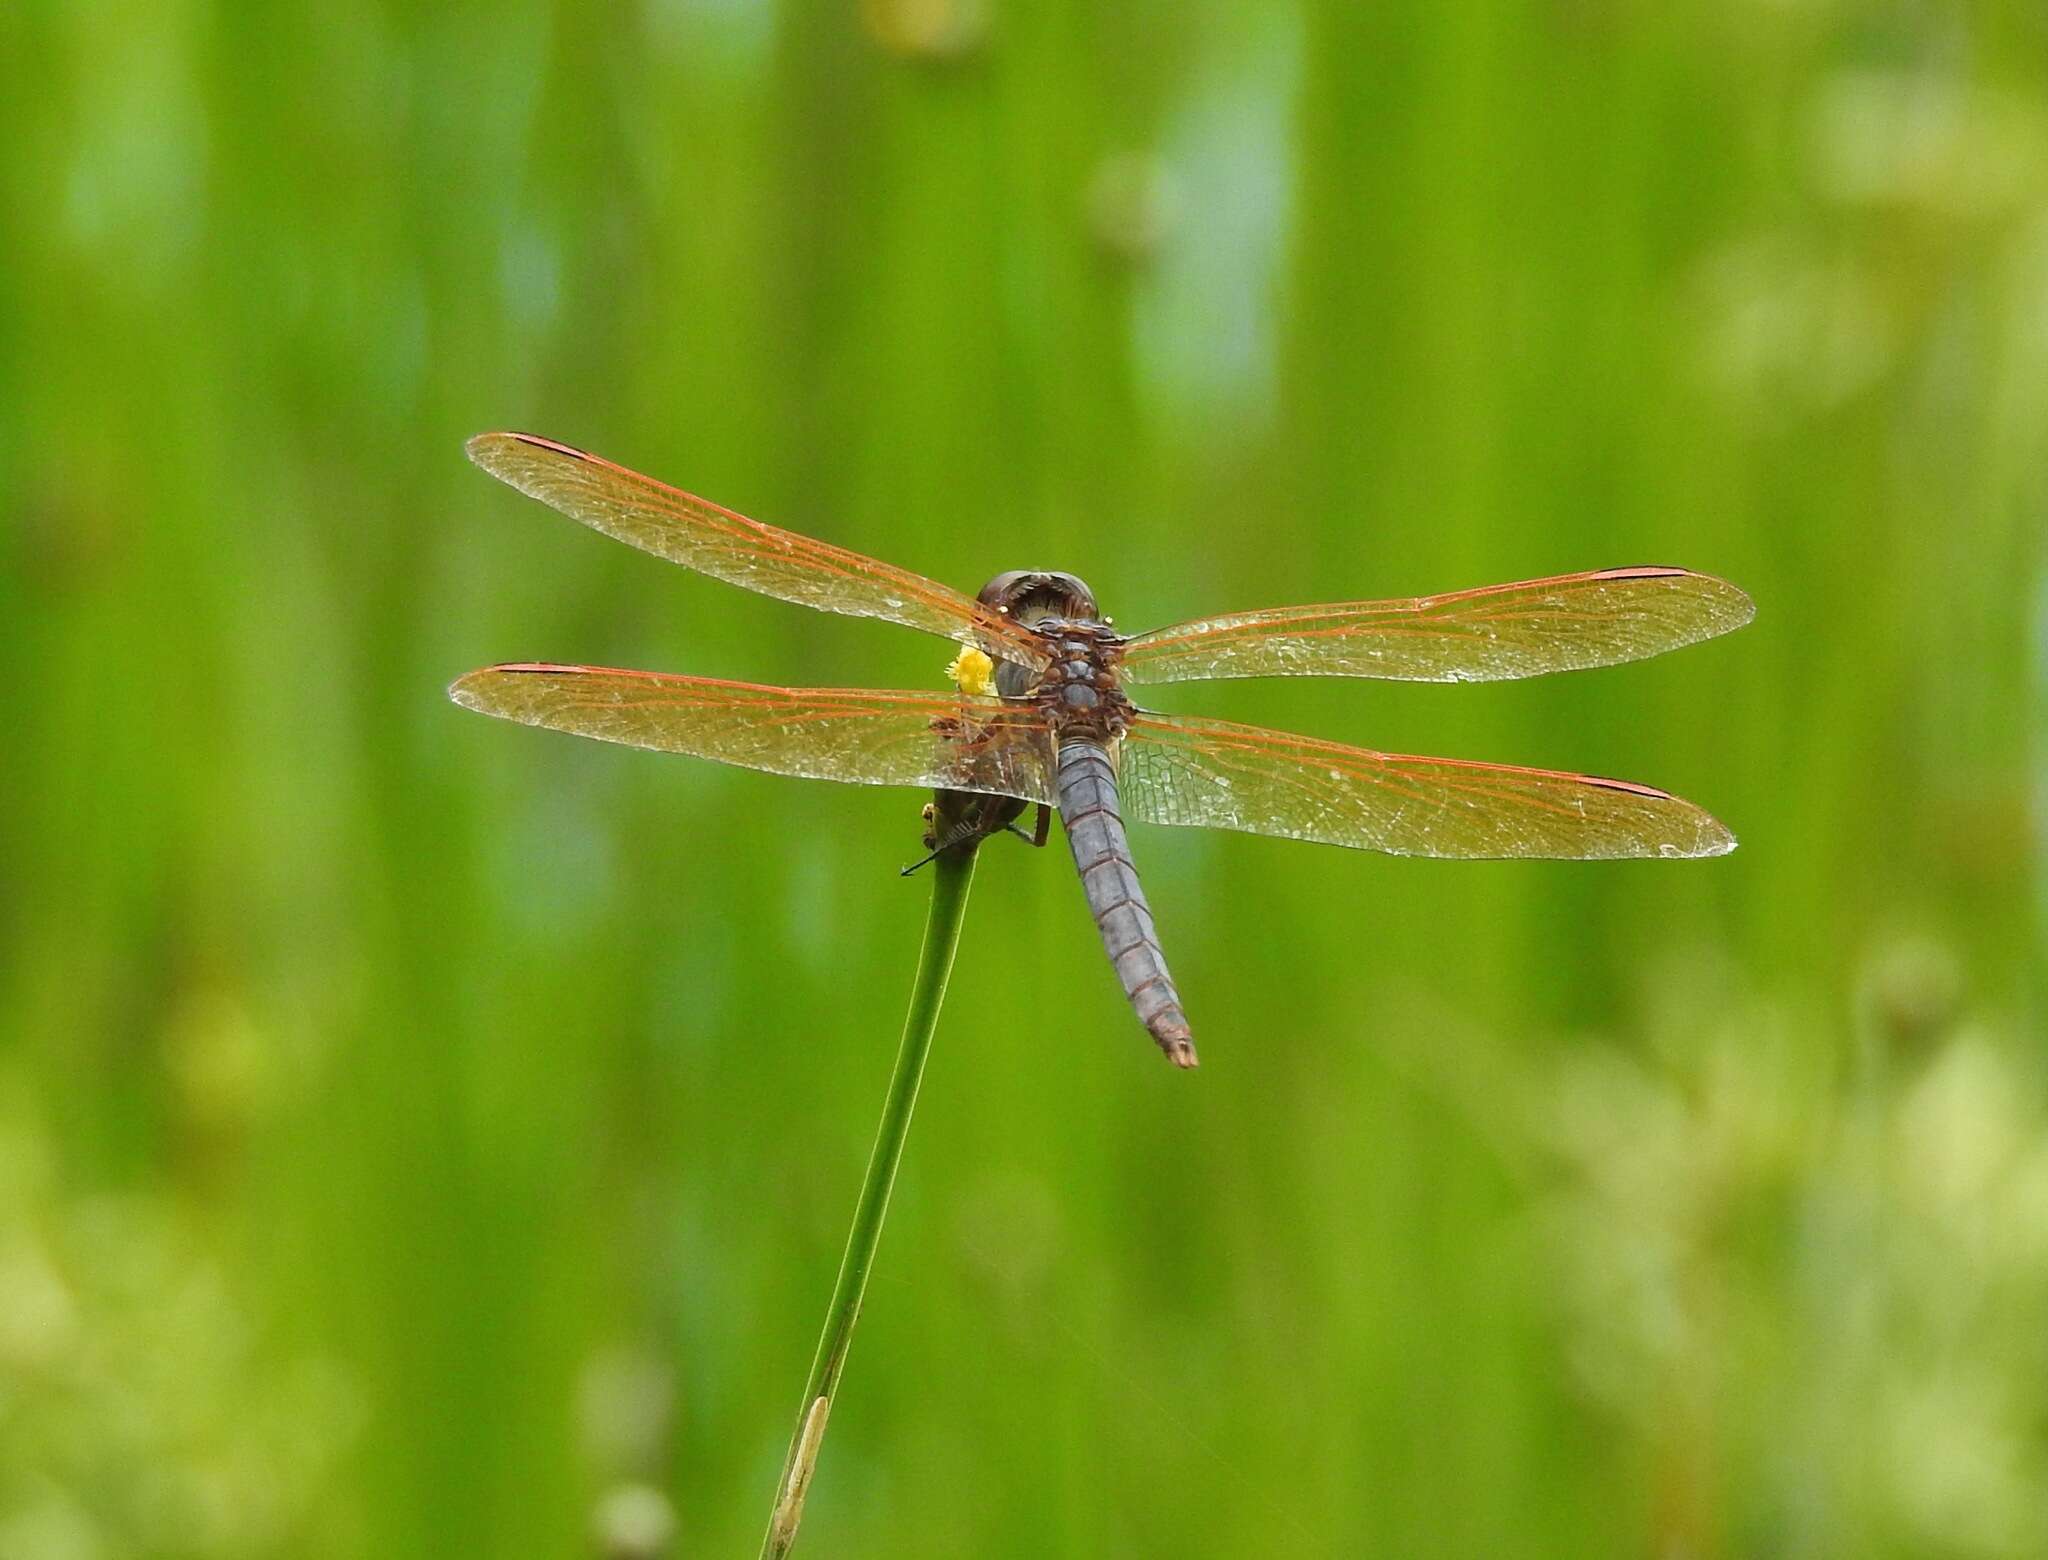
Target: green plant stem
[952, 873]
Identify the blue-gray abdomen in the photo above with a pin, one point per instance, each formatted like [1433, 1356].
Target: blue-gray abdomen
[1095, 833]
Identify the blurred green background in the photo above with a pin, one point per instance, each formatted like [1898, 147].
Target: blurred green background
[420, 1136]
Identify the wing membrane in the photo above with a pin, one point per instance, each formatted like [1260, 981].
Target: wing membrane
[700, 535]
[1485, 635]
[1220, 775]
[932, 740]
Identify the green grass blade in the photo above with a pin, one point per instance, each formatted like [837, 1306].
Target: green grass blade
[952, 873]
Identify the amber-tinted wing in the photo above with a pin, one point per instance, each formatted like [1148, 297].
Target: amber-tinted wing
[930, 740]
[700, 535]
[1483, 635]
[1216, 774]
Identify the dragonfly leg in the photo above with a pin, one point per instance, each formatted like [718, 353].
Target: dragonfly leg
[1039, 834]
[957, 818]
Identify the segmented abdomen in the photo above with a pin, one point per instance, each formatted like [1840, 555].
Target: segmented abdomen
[1095, 833]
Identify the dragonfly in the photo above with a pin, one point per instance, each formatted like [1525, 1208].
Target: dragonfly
[1040, 713]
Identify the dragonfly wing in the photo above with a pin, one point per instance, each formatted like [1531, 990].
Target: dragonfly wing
[933, 740]
[1484, 635]
[1220, 775]
[700, 535]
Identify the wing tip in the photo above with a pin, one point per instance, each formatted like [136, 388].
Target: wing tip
[471, 690]
[480, 447]
[1711, 838]
[488, 450]
[1741, 606]
[468, 689]
[1738, 607]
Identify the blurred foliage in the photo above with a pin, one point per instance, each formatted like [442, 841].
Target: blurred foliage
[420, 1136]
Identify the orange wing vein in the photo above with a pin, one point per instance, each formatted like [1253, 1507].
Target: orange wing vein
[1217, 774]
[700, 535]
[931, 740]
[1484, 635]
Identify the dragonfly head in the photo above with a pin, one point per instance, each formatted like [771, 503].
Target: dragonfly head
[1033, 595]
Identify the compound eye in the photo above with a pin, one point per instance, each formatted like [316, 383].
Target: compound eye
[1077, 592]
[996, 592]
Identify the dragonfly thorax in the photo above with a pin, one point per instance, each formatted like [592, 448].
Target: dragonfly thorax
[1080, 690]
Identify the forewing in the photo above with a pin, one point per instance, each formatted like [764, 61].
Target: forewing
[701, 535]
[931, 740]
[1220, 775]
[1485, 635]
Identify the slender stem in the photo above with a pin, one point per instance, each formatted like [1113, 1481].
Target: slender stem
[952, 872]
